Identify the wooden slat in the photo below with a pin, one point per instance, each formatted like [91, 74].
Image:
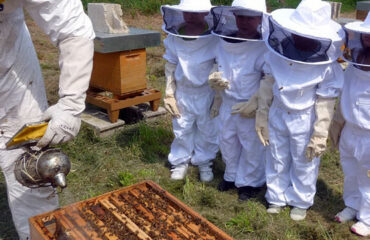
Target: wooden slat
[86, 228]
[97, 222]
[68, 228]
[176, 213]
[45, 230]
[218, 232]
[170, 218]
[147, 217]
[124, 219]
[117, 104]
[37, 232]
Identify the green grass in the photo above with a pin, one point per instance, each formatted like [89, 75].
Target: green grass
[153, 6]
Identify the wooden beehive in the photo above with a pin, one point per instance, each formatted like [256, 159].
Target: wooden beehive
[361, 15]
[142, 211]
[362, 9]
[120, 72]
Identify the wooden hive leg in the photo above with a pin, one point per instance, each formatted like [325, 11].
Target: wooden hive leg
[154, 105]
[113, 115]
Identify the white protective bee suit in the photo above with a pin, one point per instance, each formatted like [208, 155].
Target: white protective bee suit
[195, 132]
[354, 142]
[301, 80]
[355, 136]
[22, 92]
[241, 65]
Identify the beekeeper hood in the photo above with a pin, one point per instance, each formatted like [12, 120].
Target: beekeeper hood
[189, 19]
[307, 34]
[357, 45]
[242, 21]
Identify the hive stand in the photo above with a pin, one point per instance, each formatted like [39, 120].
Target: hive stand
[120, 68]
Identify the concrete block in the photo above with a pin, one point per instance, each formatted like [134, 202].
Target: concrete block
[99, 121]
[107, 18]
[363, 5]
[150, 114]
[134, 39]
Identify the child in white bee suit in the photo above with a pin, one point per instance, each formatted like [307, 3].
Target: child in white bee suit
[304, 45]
[190, 58]
[240, 61]
[353, 128]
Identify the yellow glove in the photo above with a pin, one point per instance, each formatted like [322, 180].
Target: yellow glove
[247, 109]
[215, 108]
[336, 127]
[324, 109]
[169, 99]
[265, 97]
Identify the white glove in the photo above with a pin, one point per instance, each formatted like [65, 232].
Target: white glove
[324, 108]
[62, 127]
[336, 127]
[216, 82]
[169, 100]
[75, 61]
[247, 109]
[265, 96]
[217, 101]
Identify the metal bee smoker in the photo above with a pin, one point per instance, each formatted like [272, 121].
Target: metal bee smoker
[43, 168]
[36, 167]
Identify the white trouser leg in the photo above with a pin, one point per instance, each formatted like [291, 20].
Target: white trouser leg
[291, 178]
[303, 173]
[355, 157]
[205, 140]
[363, 177]
[229, 142]
[182, 146]
[206, 129]
[278, 159]
[24, 202]
[351, 193]
[251, 167]
[195, 132]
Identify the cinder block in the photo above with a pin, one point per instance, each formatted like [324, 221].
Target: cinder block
[100, 123]
[107, 18]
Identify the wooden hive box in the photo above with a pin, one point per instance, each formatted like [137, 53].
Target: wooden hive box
[362, 9]
[120, 72]
[120, 61]
[143, 211]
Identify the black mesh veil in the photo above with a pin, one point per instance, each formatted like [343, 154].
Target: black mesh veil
[237, 23]
[357, 48]
[178, 22]
[297, 47]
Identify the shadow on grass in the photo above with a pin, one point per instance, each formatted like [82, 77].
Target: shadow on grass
[7, 230]
[153, 142]
[327, 201]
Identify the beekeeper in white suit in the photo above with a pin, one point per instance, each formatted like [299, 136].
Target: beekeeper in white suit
[22, 92]
[304, 45]
[190, 58]
[355, 122]
[240, 59]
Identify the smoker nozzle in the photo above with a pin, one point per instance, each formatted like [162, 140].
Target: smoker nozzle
[60, 180]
